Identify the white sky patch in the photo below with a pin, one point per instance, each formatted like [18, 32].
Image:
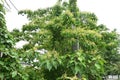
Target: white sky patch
[107, 11]
[13, 20]
[20, 44]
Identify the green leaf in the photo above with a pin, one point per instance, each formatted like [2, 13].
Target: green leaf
[1, 76]
[97, 66]
[80, 59]
[14, 73]
[54, 64]
[59, 60]
[1, 63]
[49, 66]
[77, 69]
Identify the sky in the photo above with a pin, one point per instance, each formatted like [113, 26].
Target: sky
[107, 11]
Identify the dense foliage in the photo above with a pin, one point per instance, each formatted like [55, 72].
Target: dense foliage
[10, 67]
[63, 44]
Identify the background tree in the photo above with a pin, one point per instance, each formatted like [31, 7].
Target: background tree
[74, 45]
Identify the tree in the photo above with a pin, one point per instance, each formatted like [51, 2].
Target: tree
[10, 67]
[74, 46]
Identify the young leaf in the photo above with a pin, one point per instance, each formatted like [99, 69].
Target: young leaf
[14, 73]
